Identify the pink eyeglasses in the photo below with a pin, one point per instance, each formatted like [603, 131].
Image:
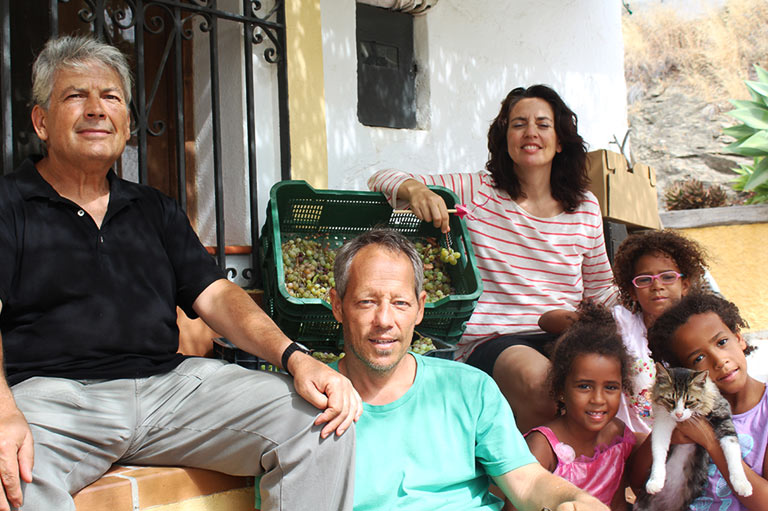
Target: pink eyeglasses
[665, 277]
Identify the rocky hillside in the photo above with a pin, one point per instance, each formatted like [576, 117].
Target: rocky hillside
[680, 135]
[683, 60]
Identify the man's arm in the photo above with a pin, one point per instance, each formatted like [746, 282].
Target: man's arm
[229, 310]
[533, 488]
[16, 445]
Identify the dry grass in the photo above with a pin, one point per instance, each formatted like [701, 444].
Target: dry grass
[711, 55]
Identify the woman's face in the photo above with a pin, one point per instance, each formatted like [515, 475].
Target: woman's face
[531, 138]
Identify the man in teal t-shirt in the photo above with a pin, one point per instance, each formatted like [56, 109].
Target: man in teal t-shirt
[433, 432]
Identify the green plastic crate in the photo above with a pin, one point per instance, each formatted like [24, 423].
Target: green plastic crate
[296, 209]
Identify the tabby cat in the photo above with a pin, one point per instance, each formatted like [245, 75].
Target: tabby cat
[678, 479]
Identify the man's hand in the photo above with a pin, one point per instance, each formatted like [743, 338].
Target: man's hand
[532, 488]
[16, 457]
[591, 504]
[328, 390]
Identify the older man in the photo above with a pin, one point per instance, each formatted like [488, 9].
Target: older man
[91, 270]
[433, 430]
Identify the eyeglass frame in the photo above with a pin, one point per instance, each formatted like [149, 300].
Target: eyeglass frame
[678, 276]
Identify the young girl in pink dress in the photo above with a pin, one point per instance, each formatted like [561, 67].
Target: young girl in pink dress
[586, 444]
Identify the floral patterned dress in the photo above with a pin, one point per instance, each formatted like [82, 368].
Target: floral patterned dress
[635, 406]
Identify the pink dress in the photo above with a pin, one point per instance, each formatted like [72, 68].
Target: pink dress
[599, 475]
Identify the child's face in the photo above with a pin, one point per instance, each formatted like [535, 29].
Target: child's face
[592, 391]
[705, 343]
[658, 297]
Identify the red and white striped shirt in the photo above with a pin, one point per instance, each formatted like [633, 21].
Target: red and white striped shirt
[528, 265]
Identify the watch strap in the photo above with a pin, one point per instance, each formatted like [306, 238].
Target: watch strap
[294, 346]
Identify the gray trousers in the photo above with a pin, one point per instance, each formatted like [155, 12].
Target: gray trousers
[205, 414]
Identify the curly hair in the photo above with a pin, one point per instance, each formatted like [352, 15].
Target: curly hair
[661, 335]
[594, 332]
[569, 178]
[688, 255]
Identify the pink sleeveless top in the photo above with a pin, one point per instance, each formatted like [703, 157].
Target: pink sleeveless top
[599, 475]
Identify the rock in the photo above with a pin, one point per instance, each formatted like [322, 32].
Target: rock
[678, 133]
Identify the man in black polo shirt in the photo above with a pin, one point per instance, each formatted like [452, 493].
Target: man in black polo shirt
[91, 270]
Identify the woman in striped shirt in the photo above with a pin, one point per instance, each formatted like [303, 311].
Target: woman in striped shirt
[537, 234]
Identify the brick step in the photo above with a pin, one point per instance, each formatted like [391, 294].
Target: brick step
[131, 488]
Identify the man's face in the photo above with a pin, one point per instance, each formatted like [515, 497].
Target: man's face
[87, 117]
[379, 309]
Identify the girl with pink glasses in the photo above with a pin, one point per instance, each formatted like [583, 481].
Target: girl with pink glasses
[653, 271]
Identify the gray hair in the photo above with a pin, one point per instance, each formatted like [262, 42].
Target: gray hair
[387, 238]
[75, 52]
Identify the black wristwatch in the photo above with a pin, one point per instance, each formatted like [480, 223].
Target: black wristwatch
[294, 346]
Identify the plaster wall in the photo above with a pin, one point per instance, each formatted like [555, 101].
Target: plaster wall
[737, 262]
[471, 54]
[233, 130]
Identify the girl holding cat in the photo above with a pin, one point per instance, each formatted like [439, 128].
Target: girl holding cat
[653, 270]
[586, 444]
[702, 333]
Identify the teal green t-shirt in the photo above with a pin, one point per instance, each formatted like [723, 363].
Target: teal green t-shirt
[436, 446]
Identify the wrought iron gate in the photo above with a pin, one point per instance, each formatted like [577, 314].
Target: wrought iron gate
[171, 24]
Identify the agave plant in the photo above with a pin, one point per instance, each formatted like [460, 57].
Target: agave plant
[693, 194]
[752, 138]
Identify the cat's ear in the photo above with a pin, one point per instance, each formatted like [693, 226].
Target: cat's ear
[700, 378]
[661, 371]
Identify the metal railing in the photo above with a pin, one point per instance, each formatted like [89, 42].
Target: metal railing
[128, 24]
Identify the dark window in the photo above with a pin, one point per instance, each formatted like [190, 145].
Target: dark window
[385, 68]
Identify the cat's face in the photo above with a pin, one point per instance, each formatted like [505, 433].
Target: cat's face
[683, 392]
[705, 343]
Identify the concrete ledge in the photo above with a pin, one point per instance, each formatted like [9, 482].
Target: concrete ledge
[165, 488]
[731, 215]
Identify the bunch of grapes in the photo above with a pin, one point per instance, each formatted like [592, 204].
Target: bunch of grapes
[437, 282]
[327, 357]
[308, 268]
[421, 344]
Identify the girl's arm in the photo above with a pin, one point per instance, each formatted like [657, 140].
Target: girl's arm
[639, 465]
[619, 501]
[700, 432]
[557, 321]
[540, 448]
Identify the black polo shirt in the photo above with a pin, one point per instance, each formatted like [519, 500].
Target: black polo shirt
[82, 302]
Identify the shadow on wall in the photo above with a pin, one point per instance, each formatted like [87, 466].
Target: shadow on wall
[468, 76]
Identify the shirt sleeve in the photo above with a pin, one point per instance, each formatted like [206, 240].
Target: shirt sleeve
[500, 445]
[195, 269]
[596, 269]
[8, 243]
[388, 181]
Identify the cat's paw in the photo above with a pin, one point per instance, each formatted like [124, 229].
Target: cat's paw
[654, 485]
[741, 485]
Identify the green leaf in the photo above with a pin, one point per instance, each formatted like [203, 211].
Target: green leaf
[753, 117]
[740, 131]
[762, 74]
[757, 141]
[739, 148]
[740, 103]
[759, 176]
[759, 87]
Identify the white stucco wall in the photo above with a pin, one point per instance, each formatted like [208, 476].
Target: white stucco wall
[234, 130]
[473, 53]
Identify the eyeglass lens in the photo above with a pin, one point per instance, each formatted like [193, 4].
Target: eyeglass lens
[667, 277]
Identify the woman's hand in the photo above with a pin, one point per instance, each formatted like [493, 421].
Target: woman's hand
[425, 204]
